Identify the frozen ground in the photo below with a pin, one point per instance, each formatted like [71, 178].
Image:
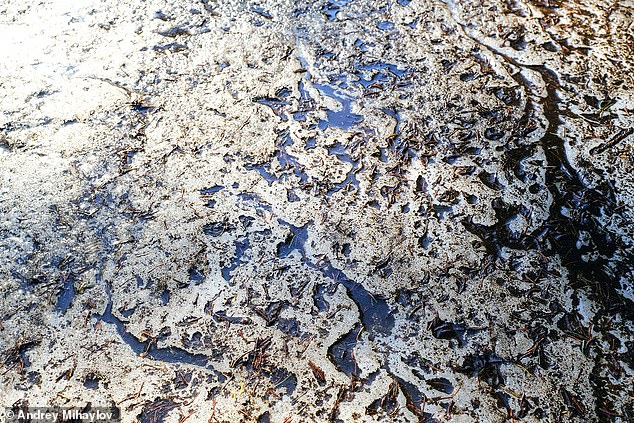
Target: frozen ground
[318, 211]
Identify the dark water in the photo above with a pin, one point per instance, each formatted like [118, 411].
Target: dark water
[149, 350]
[65, 299]
[241, 245]
[375, 314]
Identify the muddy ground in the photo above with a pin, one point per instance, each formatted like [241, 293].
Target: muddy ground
[318, 211]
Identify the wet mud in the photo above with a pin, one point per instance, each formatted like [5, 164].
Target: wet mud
[318, 211]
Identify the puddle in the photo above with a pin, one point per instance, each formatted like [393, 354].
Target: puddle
[385, 26]
[362, 45]
[288, 161]
[211, 190]
[241, 245]
[378, 72]
[375, 314]
[216, 229]
[65, 299]
[332, 8]
[370, 76]
[340, 352]
[171, 355]
[265, 171]
[250, 199]
[91, 381]
[295, 241]
[319, 298]
[196, 277]
[282, 378]
[351, 180]
[343, 118]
